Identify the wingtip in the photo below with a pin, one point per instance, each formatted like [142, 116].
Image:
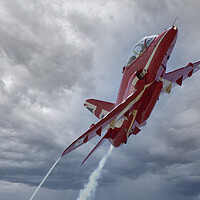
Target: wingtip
[65, 152]
[81, 164]
[85, 159]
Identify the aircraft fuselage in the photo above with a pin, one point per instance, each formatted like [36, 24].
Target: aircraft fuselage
[142, 77]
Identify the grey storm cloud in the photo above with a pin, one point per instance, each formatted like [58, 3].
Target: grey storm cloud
[53, 56]
[36, 42]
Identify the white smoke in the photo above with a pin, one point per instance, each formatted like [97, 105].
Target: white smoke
[44, 179]
[89, 189]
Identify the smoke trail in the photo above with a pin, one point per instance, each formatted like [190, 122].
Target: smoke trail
[89, 189]
[44, 179]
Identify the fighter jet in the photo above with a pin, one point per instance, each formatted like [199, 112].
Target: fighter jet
[144, 80]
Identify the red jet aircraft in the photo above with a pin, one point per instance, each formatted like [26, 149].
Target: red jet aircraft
[144, 80]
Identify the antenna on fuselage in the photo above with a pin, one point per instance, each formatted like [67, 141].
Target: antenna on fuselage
[174, 22]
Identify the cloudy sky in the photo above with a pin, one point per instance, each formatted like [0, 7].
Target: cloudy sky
[54, 54]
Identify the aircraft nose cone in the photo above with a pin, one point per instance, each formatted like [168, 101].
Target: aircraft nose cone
[172, 32]
[174, 29]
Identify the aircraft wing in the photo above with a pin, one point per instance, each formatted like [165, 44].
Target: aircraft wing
[176, 77]
[105, 122]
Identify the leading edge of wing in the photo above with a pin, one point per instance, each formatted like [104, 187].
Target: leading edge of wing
[97, 128]
[176, 77]
[183, 72]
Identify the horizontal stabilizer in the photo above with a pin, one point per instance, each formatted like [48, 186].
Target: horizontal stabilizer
[99, 108]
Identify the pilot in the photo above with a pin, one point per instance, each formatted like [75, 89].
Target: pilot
[142, 48]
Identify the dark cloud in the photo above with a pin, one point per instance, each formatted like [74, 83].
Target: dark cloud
[85, 26]
[34, 40]
[53, 56]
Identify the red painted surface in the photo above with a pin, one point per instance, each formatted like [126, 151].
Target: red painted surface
[144, 79]
[179, 81]
[149, 102]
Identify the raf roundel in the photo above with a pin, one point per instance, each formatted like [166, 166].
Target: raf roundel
[79, 142]
[197, 68]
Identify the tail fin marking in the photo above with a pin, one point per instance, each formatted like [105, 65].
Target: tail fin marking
[99, 108]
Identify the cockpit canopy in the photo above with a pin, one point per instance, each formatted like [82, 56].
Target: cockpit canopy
[139, 48]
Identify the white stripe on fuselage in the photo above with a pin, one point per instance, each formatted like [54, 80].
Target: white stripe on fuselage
[136, 79]
[128, 106]
[152, 55]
